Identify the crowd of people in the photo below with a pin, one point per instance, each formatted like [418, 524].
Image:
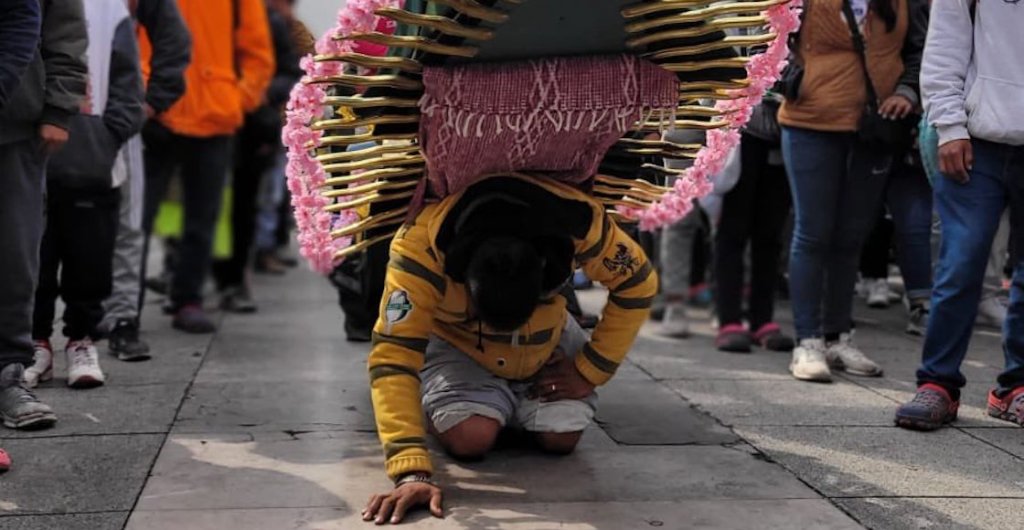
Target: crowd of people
[103, 103]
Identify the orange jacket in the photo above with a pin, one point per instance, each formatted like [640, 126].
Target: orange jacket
[232, 65]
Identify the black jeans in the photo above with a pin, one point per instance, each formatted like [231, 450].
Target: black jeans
[753, 213]
[360, 283]
[78, 245]
[21, 228]
[202, 164]
[254, 159]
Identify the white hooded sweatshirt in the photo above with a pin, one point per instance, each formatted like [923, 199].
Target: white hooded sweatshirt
[972, 76]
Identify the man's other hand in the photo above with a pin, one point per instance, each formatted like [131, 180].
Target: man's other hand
[391, 507]
[559, 379]
[53, 137]
[956, 159]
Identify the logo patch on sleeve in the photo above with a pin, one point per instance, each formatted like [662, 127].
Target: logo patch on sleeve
[398, 307]
[623, 263]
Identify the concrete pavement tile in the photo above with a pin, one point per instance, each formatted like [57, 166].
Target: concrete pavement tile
[109, 410]
[80, 521]
[1009, 439]
[786, 402]
[342, 471]
[259, 358]
[647, 413]
[876, 461]
[686, 514]
[697, 358]
[244, 407]
[76, 474]
[935, 512]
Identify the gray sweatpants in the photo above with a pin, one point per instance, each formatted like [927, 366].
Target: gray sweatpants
[22, 185]
[128, 249]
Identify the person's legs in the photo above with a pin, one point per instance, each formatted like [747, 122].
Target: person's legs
[1013, 330]
[204, 169]
[910, 201]
[860, 197]
[466, 406]
[771, 210]
[48, 287]
[677, 242]
[970, 214]
[88, 230]
[815, 163]
[249, 169]
[734, 228]
[123, 303]
[22, 184]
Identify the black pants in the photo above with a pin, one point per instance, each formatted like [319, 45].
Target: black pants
[874, 258]
[360, 284]
[202, 164]
[254, 159]
[21, 228]
[753, 212]
[78, 244]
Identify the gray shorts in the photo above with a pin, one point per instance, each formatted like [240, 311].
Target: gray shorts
[455, 387]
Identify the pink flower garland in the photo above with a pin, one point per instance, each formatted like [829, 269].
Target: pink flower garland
[306, 176]
[763, 71]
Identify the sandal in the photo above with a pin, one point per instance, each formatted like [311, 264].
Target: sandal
[770, 337]
[733, 338]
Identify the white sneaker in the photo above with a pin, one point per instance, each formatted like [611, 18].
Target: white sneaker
[42, 367]
[879, 294]
[843, 355]
[992, 311]
[83, 365]
[809, 361]
[675, 324]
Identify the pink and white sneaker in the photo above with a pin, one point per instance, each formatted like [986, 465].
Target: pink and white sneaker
[84, 365]
[42, 366]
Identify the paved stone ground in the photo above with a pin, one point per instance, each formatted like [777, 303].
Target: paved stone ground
[268, 425]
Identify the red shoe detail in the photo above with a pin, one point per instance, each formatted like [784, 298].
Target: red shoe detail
[1008, 408]
[770, 327]
[5, 461]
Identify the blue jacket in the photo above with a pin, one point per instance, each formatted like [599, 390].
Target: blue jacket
[19, 33]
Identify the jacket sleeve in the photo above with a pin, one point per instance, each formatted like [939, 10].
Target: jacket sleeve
[947, 58]
[172, 52]
[64, 42]
[124, 113]
[19, 33]
[414, 286]
[913, 50]
[611, 257]
[255, 53]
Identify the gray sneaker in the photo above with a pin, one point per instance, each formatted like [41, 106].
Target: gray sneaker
[19, 407]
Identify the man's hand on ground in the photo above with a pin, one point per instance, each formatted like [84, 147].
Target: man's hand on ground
[559, 379]
[392, 506]
[53, 137]
[956, 159]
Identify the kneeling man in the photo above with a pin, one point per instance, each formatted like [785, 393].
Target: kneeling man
[474, 335]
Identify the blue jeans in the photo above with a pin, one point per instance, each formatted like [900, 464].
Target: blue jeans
[910, 203]
[970, 215]
[837, 185]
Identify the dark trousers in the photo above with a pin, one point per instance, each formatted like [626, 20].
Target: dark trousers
[254, 160]
[874, 259]
[202, 164]
[970, 215]
[22, 179]
[753, 213]
[360, 283]
[78, 245]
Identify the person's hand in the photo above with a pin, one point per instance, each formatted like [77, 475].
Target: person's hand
[391, 507]
[896, 107]
[956, 159]
[559, 379]
[53, 137]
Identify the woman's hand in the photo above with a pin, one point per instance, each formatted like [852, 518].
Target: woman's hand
[392, 506]
[896, 107]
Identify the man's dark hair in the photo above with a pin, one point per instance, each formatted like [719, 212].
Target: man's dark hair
[504, 279]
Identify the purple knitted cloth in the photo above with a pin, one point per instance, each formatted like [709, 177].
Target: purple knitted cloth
[557, 116]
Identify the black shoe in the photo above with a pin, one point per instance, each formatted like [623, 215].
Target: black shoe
[193, 319]
[159, 284]
[124, 342]
[238, 299]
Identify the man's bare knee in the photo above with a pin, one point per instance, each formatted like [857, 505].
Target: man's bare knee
[470, 439]
[558, 443]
